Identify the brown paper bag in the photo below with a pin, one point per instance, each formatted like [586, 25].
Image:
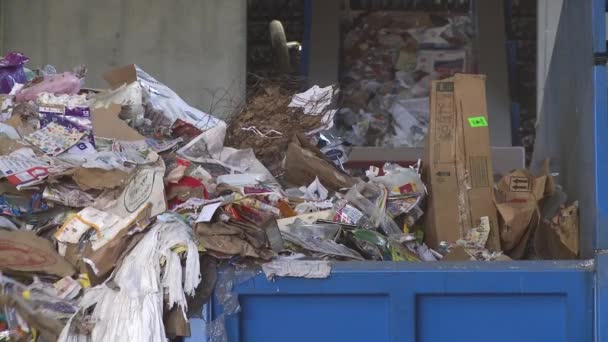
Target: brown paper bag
[559, 238]
[517, 196]
[304, 162]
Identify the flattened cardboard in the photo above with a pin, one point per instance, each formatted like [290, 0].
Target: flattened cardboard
[24, 251]
[458, 162]
[94, 178]
[107, 124]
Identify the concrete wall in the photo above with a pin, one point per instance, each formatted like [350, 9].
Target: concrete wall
[195, 47]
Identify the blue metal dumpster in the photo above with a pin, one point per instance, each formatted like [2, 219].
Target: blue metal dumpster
[473, 301]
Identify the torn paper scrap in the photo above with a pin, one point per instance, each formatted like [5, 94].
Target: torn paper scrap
[207, 212]
[477, 237]
[313, 269]
[316, 191]
[313, 101]
[23, 167]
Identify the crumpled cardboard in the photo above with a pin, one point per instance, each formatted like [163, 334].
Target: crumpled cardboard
[559, 238]
[517, 199]
[305, 162]
[233, 239]
[24, 251]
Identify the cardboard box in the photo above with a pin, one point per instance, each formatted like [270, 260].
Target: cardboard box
[458, 160]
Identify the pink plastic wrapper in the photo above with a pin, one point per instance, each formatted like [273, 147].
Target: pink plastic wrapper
[65, 83]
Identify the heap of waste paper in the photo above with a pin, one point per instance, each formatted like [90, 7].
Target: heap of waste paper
[390, 59]
[118, 206]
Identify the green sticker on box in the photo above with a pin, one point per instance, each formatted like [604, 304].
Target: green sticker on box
[478, 121]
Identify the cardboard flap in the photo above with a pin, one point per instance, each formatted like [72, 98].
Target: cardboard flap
[122, 75]
[107, 124]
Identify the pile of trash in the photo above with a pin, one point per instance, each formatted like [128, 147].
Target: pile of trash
[389, 61]
[119, 206]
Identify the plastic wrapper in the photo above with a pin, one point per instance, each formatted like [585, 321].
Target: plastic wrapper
[407, 191]
[228, 300]
[373, 244]
[34, 306]
[326, 231]
[12, 71]
[334, 148]
[18, 206]
[326, 247]
[64, 83]
[67, 195]
[370, 199]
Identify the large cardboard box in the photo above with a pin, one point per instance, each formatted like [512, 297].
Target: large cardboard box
[459, 165]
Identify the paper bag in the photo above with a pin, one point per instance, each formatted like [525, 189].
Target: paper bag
[304, 162]
[517, 196]
[559, 238]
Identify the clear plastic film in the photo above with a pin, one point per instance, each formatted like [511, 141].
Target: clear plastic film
[371, 198]
[227, 299]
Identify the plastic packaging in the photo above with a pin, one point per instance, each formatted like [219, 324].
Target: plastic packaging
[326, 231]
[12, 71]
[64, 83]
[371, 198]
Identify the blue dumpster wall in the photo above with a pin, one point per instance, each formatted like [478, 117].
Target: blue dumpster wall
[364, 301]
